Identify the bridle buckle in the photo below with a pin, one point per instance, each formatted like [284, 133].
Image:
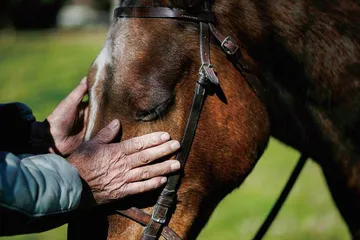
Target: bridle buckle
[228, 51]
[204, 67]
[207, 71]
[159, 214]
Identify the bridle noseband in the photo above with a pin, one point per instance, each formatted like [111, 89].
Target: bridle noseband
[156, 224]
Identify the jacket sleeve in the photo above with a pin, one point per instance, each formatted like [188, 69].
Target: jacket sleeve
[35, 187]
[15, 124]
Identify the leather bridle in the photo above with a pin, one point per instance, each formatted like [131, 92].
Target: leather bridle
[156, 224]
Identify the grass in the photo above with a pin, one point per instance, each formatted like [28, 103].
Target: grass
[40, 68]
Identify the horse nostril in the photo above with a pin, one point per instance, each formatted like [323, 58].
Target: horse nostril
[154, 113]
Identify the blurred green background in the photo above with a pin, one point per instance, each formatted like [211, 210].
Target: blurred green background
[40, 14]
[40, 68]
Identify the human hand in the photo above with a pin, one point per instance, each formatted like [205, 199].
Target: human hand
[116, 170]
[63, 131]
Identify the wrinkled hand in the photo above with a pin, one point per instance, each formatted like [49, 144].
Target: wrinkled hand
[63, 131]
[116, 170]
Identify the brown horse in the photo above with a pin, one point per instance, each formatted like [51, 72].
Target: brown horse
[308, 54]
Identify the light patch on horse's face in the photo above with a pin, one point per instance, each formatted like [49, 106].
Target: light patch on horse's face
[133, 79]
[100, 63]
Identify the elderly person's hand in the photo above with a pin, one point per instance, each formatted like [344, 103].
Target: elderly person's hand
[116, 170]
[63, 131]
[112, 170]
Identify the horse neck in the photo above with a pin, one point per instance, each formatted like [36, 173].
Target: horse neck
[305, 50]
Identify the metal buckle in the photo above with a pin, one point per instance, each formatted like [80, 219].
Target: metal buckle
[227, 50]
[159, 214]
[204, 71]
[207, 65]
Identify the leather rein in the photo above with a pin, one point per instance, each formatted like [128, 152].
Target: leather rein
[156, 223]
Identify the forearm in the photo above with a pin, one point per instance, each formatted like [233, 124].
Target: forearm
[36, 187]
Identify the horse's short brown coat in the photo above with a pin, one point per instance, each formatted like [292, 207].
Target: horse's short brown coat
[309, 56]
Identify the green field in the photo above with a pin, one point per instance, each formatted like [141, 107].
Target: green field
[40, 68]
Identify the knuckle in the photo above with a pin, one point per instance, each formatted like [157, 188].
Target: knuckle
[121, 153]
[122, 192]
[125, 167]
[137, 144]
[142, 188]
[127, 177]
[169, 169]
[164, 168]
[112, 195]
[156, 183]
[154, 139]
[100, 137]
[168, 148]
[145, 173]
[165, 150]
[132, 177]
[144, 159]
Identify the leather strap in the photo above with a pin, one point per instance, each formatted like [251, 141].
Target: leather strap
[206, 65]
[164, 12]
[233, 52]
[167, 197]
[143, 218]
[281, 199]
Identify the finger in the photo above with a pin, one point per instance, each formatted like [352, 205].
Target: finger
[80, 122]
[151, 154]
[145, 186]
[156, 170]
[77, 94]
[137, 144]
[107, 134]
[86, 115]
[83, 112]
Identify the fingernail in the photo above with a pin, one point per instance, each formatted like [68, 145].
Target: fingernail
[175, 166]
[83, 80]
[114, 124]
[165, 137]
[163, 180]
[175, 145]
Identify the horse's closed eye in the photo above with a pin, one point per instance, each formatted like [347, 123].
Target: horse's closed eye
[154, 113]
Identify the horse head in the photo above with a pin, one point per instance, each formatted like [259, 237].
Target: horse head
[145, 76]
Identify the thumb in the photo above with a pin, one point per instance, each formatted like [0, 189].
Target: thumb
[107, 134]
[77, 94]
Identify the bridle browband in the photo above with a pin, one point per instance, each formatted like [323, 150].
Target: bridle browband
[156, 224]
[164, 12]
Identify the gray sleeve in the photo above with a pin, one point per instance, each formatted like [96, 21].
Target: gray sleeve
[38, 185]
